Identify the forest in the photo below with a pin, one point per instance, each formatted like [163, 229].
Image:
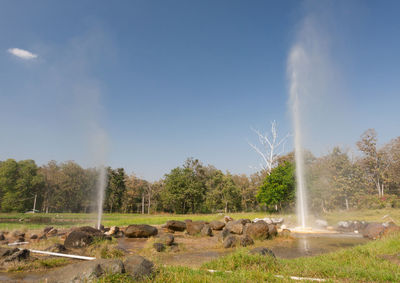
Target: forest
[337, 180]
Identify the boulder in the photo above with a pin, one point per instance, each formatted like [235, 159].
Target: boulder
[140, 231]
[285, 233]
[258, 230]
[2, 238]
[56, 248]
[227, 219]
[34, 237]
[235, 227]
[86, 271]
[47, 229]
[166, 239]
[206, 231]
[138, 266]
[262, 251]
[175, 225]
[112, 231]
[373, 231]
[246, 241]
[159, 247]
[89, 230]
[19, 255]
[230, 242]
[194, 228]
[217, 225]
[272, 230]
[78, 239]
[225, 233]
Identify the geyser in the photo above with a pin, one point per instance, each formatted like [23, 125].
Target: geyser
[297, 59]
[101, 187]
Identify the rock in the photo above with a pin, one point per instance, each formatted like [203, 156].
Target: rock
[2, 238]
[235, 227]
[34, 237]
[5, 242]
[258, 230]
[78, 239]
[52, 232]
[4, 252]
[277, 221]
[175, 225]
[206, 231]
[138, 266]
[321, 223]
[227, 219]
[244, 221]
[90, 230]
[272, 230]
[262, 251]
[166, 239]
[86, 271]
[230, 242]
[194, 228]
[225, 233]
[113, 230]
[47, 229]
[21, 239]
[159, 247]
[43, 237]
[217, 225]
[373, 231]
[140, 231]
[119, 234]
[18, 234]
[246, 241]
[285, 233]
[175, 248]
[20, 255]
[56, 248]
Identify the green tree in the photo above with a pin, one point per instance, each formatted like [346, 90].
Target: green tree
[19, 183]
[278, 187]
[115, 190]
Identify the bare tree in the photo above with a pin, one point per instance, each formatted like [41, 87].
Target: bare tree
[271, 148]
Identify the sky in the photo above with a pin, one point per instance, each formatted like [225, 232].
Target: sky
[144, 85]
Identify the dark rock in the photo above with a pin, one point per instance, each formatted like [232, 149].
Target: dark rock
[34, 237]
[167, 239]
[56, 248]
[206, 231]
[47, 229]
[18, 234]
[217, 225]
[78, 239]
[20, 255]
[138, 266]
[119, 234]
[225, 233]
[159, 247]
[285, 233]
[87, 271]
[21, 239]
[194, 228]
[4, 252]
[2, 238]
[52, 232]
[43, 237]
[272, 230]
[175, 225]
[236, 227]
[89, 230]
[246, 241]
[262, 251]
[258, 230]
[140, 231]
[373, 231]
[230, 242]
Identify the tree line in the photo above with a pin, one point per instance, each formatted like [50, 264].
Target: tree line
[334, 181]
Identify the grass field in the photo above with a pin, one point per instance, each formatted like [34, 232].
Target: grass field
[11, 221]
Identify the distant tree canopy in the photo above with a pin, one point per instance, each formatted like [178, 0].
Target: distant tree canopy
[333, 181]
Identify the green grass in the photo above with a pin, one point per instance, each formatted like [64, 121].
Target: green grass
[40, 264]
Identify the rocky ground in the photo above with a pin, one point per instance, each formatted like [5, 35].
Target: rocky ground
[136, 249]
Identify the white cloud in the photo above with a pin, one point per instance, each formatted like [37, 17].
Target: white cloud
[21, 53]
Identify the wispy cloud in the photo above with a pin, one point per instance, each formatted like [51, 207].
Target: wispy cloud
[21, 53]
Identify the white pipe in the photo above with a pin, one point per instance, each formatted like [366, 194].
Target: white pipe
[63, 255]
[18, 243]
[302, 278]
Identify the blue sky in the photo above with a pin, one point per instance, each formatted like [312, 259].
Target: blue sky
[155, 82]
